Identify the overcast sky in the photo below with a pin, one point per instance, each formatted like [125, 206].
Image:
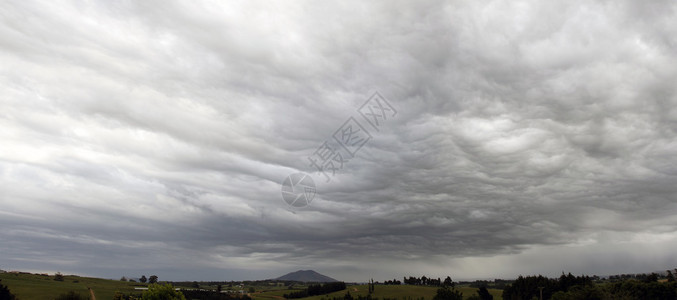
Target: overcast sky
[153, 138]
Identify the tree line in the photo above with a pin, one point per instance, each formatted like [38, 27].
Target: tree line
[427, 281]
[392, 282]
[317, 289]
[583, 287]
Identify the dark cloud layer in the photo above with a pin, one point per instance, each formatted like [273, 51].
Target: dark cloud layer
[153, 137]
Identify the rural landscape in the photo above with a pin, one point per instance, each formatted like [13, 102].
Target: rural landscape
[308, 284]
[338, 150]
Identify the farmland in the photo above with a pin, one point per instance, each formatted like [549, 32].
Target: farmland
[35, 286]
[381, 291]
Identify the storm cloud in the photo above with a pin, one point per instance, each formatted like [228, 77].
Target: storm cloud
[152, 137]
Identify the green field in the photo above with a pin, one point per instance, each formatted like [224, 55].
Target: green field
[40, 287]
[381, 291]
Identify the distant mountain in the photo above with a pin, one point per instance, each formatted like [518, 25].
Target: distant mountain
[306, 276]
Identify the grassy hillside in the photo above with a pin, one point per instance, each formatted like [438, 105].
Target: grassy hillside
[40, 287]
[383, 291]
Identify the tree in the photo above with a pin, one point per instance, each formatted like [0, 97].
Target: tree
[671, 278]
[448, 282]
[529, 287]
[5, 293]
[123, 278]
[446, 293]
[252, 289]
[218, 288]
[143, 279]
[484, 294]
[162, 292]
[152, 279]
[590, 292]
[58, 277]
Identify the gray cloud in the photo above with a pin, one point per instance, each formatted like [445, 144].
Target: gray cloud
[153, 138]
